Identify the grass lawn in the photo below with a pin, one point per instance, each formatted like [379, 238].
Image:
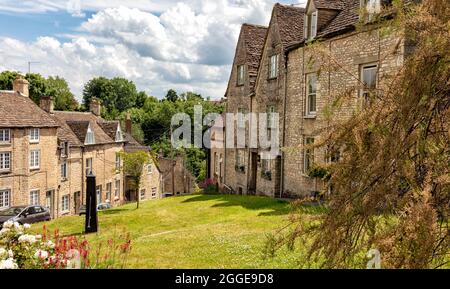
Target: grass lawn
[198, 231]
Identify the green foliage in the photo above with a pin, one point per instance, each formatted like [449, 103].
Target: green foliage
[55, 87]
[117, 95]
[132, 167]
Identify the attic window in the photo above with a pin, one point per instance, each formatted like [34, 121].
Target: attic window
[310, 29]
[371, 8]
[119, 136]
[90, 139]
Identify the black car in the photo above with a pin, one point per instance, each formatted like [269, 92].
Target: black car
[24, 215]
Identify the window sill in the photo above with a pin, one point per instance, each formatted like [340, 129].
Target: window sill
[35, 169]
[240, 85]
[310, 116]
[64, 213]
[272, 78]
[34, 142]
[5, 143]
[4, 172]
[64, 180]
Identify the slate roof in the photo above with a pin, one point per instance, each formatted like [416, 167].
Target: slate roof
[74, 127]
[254, 36]
[290, 23]
[330, 4]
[344, 21]
[18, 111]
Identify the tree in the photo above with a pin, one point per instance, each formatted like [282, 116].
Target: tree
[58, 88]
[7, 78]
[38, 86]
[172, 96]
[117, 95]
[133, 166]
[391, 188]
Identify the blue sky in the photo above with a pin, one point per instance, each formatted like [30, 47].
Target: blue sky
[159, 44]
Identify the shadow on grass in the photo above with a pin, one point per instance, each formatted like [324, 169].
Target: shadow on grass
[276, 207]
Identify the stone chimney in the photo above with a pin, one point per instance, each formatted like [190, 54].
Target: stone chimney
[128, 124]
[46, 104]
[95, 107]
[21, 86]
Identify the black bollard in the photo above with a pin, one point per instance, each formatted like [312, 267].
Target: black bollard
[91, 205]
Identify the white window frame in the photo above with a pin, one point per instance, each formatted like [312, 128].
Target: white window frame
[154, 192]
[240, 158]
[142, 196]
[64, 170]
[363, 91]
[240, 75]
[35, 135]
[314, 17]
[216, 163]
[274, 66]
[5, 135]
[5, 198]
[308, 154]
[34, 198]
[65, 203]
[311, 95]
[89, 166]
[35, 159]
[5, 162]
[90, 138]
[98, 194]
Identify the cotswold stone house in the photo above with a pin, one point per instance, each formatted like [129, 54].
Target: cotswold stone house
[45, 155]
[309, 57]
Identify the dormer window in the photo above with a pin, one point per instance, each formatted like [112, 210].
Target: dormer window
[119, 135]
[240, 75]
[310, 28]
[371, 7]
[90, 139]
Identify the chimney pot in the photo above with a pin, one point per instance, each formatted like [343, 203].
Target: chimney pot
[21, 86]
[46, 104]
[128, 124]
[95, 107]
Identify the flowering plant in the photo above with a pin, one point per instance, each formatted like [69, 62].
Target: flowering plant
[21, 250]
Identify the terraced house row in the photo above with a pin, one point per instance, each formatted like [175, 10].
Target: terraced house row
[296, 67]
[45, 155]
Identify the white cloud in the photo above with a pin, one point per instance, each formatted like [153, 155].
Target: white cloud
[188, 46]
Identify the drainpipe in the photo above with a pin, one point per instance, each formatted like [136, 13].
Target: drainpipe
[224, 137]
[284, 124]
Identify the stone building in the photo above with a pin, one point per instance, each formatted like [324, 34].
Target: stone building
[45, 155]
[310, 56]
[176, 178]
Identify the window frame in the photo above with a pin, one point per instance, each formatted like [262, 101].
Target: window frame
[308, 154]
[118, 162]
[364, 90]
[142, 196]
[34, 198]
[240, 81]
[154, 192]
[65, 203]
[240, 160]
[90, 137]
[371, 7]
[35, 155]
[3, 168]
[90, 166]
[5, 194]
[33, 136]
[4, 139]
[309, 94]
[274, 67]
[65, 171]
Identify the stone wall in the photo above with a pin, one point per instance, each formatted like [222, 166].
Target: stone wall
[338, 62]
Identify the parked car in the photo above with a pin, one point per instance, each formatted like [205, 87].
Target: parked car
[24, 215]
[100, 207]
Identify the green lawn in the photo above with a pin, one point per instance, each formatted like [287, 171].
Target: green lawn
[199, 231]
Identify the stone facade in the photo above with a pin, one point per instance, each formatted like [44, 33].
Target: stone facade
[176, 178]
[335, 60]
[45, 156]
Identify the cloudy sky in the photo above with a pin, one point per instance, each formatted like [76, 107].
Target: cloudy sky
[159, 44]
